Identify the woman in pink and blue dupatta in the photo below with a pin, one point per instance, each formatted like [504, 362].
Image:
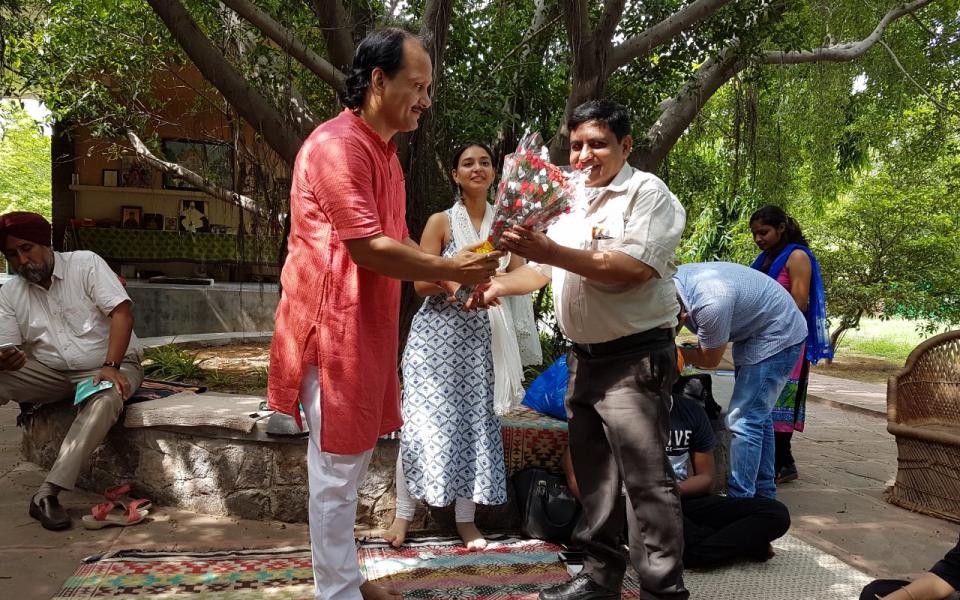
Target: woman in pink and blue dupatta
[785, 255]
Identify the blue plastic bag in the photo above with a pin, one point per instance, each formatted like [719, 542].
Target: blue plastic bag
[545, 395]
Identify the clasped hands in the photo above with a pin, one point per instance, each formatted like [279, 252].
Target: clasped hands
[532, 245]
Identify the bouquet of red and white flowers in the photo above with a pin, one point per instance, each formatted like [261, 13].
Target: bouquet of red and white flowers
[533, 193]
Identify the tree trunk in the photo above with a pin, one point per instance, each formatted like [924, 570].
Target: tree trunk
[589, 83]
[847, 322]
[256, 110]
[424, 178]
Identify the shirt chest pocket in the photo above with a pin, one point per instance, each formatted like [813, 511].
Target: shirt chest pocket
[607, 232]
[81, 320]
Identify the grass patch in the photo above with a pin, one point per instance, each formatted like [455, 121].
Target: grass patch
[172, 363]
[249, 381]
[219, 379]
[891, 339]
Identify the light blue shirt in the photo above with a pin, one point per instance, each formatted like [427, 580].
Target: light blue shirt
[727, 302]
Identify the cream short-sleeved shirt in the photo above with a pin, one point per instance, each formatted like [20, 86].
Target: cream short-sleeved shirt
[67, 327]
[636, 214]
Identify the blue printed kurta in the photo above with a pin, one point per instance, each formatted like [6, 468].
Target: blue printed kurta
[450, 443]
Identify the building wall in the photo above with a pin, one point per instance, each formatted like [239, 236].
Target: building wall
[187, 114]
[190, 111]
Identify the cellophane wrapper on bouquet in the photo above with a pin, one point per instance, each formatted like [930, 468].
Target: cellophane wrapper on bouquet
[532, 193]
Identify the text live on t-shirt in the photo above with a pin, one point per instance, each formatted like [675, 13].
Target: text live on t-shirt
[690, 432]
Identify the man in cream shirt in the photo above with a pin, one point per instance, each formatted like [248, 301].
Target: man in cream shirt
[64, 319]
[611, 261]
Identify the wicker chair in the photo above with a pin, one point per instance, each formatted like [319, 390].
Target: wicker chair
[923, 413]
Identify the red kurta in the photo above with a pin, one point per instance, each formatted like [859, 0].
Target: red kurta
[347, 184]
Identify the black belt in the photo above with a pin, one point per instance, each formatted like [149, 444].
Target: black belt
[628, 343]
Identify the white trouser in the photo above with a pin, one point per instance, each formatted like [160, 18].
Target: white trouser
[464, 508]
[334, 479]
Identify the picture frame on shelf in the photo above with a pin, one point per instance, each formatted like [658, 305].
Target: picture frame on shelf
[131, 217]
[111, 178]
[211, 160]
[193, 216]
[153, 221]
[170, 223]
[249, 178]
[134, 173]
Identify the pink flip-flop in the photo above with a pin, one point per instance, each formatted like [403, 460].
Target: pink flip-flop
[121, 495]
[106, 514]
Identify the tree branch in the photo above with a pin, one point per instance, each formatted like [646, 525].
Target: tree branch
[194, 179]
[682, 109]
[253, 107]
[337, 31]
[916, 84]
[527, 39]
[842, 52]
[300, 112]
[577, 21]
[612, 12]
[664, 31]
[289, 42]
[544, 17]
[435, 29]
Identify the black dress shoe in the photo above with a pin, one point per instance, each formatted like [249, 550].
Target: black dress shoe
[48, 511]
[580, 587]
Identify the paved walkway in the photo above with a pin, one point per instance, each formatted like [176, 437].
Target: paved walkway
[868, 398]
[846, 460]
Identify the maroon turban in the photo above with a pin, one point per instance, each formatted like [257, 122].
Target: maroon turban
[26, 226]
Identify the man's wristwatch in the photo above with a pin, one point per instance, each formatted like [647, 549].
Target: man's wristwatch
[111, 363]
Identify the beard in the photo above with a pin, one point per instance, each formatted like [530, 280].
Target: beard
[37, 273]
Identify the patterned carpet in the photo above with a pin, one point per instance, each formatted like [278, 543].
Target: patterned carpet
[439, 568]
[282, 574]
[532, 440]
[510, 569]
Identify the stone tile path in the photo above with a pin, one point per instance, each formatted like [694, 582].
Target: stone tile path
[850, 395]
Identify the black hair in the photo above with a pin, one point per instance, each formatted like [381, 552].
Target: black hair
[774, 216]
[382, 48]
[463, 148]
[612, 114]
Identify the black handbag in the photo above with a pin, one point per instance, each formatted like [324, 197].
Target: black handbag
[548, 511]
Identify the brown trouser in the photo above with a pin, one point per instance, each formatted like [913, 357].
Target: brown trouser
[618, 405]
[37, 383]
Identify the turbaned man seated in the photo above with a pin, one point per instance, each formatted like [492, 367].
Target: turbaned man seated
[64, 319]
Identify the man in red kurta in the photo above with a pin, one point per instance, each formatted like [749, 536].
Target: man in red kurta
[335, 342]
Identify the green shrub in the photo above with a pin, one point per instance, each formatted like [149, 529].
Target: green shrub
[172, 363]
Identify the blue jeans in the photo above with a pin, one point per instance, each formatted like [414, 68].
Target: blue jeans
[752, 446]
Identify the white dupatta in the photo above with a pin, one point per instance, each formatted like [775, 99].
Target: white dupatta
[507, 367]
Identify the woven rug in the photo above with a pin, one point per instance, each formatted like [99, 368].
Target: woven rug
[531, 439]
[281, 574]
[438, 568]
[508, 569]
[154, 389]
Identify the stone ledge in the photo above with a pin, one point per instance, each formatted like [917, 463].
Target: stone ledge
[209, 339]
[223, 472]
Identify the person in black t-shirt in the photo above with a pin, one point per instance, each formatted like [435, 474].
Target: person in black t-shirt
[941, 583]
[716, 529]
